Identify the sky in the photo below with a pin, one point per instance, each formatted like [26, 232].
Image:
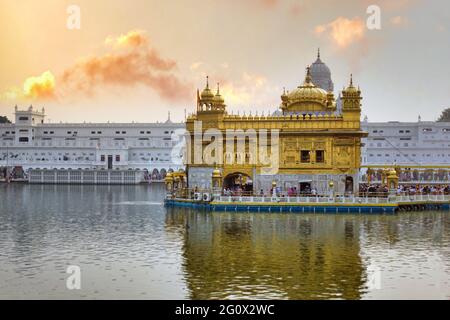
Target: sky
[138, 60]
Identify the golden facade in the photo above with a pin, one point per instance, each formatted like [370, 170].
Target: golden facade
[317, 142]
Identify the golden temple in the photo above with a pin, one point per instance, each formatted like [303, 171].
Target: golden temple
[318, 141]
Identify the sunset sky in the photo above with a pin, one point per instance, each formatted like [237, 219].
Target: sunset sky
[135, 60]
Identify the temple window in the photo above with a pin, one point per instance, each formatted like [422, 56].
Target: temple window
[320, 156]
[305, 156]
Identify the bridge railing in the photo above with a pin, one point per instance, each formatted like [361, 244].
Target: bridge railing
[350, 199]
[424, 197]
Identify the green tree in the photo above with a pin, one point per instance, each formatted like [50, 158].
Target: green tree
[445, 116]
[4, 119]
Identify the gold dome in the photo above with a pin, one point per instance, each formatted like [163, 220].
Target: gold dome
[308, 91]
[351, 88]
[216, 172]
[207, 93]
[218, 97]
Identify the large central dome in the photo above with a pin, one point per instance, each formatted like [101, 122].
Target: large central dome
[307, 97]
[308, 91]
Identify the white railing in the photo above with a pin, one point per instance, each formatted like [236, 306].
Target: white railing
[424, 197]
[304, 200]
[340, 199]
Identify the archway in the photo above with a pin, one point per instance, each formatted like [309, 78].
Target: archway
[349, 184]
[163, 173]
[155, 174]
[238, 183]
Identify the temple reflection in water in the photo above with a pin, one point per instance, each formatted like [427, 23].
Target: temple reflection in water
[230, 255]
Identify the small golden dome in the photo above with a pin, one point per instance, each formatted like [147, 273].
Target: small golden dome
[216, 173]
[207, 93]
[218, 97]
[351, 88]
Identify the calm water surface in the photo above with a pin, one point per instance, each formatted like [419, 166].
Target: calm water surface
[129, 246]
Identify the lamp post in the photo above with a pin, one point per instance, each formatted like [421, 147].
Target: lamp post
[331, 186]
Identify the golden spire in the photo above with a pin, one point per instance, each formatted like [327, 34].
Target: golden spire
[351, 80]
[218, 98]
[308, 78]
[206, 94]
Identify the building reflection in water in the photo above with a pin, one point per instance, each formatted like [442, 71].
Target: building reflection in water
[233, 255]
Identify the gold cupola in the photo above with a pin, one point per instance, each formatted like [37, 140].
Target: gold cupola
[207, 102]
[351, 88]
[218, 99]
[207, 94]
[351, 103]
[307, 98]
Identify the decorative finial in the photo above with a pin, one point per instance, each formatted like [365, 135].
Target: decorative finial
[284, 90]
[308, 78]
[351, 80]
[207, 82]
[318, 53]
[218, 88]
[168, 116]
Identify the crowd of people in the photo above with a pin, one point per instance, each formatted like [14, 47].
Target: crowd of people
[423, 189]
[404, 189]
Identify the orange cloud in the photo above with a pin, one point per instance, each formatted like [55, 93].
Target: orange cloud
[342, 31]
[40, 87]
[132, 61]
[134, 38]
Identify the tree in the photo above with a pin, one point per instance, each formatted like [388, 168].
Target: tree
[4, 119]
[445, 116]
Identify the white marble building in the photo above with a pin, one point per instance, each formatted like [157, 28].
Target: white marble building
[406, 143]
[31, 142]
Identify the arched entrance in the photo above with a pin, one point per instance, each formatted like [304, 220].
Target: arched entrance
[349, 184]
[155, 174]
[238, 184]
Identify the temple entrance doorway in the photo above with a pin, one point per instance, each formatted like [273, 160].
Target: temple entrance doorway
[349, 184]
[238, 184]
[305, 187]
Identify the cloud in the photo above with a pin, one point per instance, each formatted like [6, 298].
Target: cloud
[41, 87]
[130, 62]
[342, 31]
[133, 62]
